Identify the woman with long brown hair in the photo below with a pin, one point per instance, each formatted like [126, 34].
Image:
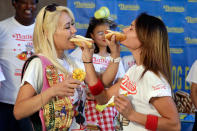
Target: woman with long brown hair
[144, 95]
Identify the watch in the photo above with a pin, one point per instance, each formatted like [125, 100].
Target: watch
[116, 60]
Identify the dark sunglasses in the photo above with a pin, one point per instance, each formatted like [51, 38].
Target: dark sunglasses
[51, 8]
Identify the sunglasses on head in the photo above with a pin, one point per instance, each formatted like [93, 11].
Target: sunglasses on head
[51, 8]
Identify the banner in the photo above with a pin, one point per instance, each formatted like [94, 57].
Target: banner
[180, 18]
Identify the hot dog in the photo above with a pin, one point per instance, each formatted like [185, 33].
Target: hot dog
[119, 36]
[78, 39]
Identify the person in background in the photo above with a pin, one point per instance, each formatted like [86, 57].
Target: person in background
[128, 61]
[15, 33]
[101, 58]
[144, 95]
[192, 78]
[48, 85]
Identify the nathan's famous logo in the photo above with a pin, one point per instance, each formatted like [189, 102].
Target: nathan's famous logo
[173, 8]
[175, 29]
[176, 50]
[191, 40]
[81, 26]
[21, 37]
[122, 26]
[100, 61]
[191, 20]
[159, 87]
[129, 7]
[78, 4]
[192, 0]
[128, 86]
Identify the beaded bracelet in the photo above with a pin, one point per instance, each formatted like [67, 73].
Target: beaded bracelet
[87, 62]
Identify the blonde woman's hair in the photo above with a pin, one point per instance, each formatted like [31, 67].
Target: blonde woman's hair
[155, 54]
[45, 27]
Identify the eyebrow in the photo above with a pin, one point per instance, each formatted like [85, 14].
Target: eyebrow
[69, 23]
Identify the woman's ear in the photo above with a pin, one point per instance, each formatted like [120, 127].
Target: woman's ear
[92, 36]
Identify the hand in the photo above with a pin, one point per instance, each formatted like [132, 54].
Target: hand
[123, 105]
[66, 87]
[89, 96]
[114, 47]
[87, 53]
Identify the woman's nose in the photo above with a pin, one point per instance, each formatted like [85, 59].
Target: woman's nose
[73, 29]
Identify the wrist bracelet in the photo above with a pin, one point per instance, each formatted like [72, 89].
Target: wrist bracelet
[151, 122]
[87, 62]
[97, 88]
[116, 60]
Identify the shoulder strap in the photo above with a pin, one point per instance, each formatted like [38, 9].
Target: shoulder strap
[26, 65]
[45, 63]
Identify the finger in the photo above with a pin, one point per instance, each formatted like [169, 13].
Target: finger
[122, 97]
[68, 77]
[73, 85]
[117, 106]
[75, 81]
[84, 45]
[119, 101]
[107, 41]
[92, 50]
[71, 80]
[70, 94]
[118, 98]
[113, 38]
[65, 93]
[70, 90]
[93, 46]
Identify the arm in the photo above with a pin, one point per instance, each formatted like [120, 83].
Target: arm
[27, 102]
[106, 94]
[109, 75]
[118, 73]
[169, 120]
[91, 76]
[92, 79]
[194, 93]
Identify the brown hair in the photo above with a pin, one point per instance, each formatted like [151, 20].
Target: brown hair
[93, 23]
[153, 36]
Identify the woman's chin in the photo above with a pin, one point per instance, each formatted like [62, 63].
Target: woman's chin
[73, 47]
[122, 42]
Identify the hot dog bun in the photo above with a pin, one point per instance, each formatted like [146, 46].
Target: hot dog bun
[78, 39]
[119, 36]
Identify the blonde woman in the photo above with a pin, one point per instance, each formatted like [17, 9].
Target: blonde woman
[47, 86]
[148, 104]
